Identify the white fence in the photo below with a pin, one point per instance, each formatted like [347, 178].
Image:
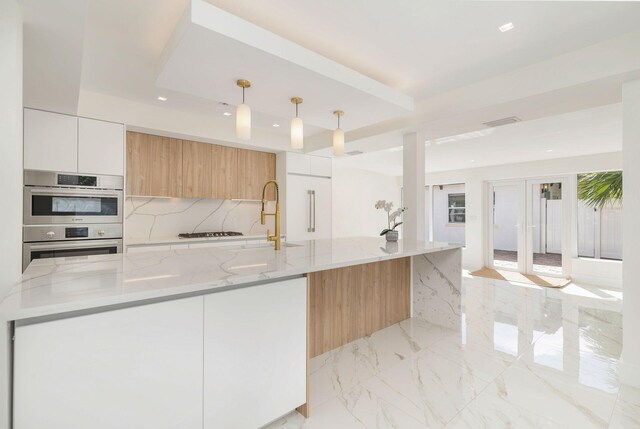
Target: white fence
[600, 232]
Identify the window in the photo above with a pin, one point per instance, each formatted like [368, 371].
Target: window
[600, 215]
[456, 208]
[446, 213]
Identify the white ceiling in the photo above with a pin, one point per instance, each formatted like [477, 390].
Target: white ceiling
[423, 47]
[114, 49]
[226, 48]
[584, 132]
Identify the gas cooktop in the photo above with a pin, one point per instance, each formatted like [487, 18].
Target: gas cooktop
[209, 234]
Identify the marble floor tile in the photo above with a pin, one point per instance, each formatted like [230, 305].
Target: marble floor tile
[524, 357]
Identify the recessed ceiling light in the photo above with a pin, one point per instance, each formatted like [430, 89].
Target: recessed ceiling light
[227, 114]
[549, 150]
[473, 160]
[506, 27]
[276, 125]
[162, 98]
[396, 149]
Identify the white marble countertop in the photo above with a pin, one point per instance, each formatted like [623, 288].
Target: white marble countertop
[136, 241]
[55, 286]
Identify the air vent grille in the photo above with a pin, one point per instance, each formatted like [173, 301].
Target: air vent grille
[503, 121]
[354, 152]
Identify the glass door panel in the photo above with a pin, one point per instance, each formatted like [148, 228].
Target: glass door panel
[545, 227]
[507, 242]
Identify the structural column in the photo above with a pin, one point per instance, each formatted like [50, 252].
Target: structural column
[413, 181]
[630, 373]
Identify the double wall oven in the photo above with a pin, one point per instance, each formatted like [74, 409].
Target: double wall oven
[67, 214]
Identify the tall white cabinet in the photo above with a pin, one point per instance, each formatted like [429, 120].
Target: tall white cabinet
[306, 181]
[139, 367]
[254, 354]
[58, 142]
[232, 359]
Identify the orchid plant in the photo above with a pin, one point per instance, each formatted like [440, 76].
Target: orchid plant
[391, 216]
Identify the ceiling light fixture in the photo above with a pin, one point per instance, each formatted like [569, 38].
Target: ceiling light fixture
[549, 150]
[276, 125]
[161, 98]
[227, 114]
[338, 136]
[297, 131]
[243, 114]
[506, 27]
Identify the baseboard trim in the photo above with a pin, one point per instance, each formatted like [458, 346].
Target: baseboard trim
[597, 281]
[630, 374]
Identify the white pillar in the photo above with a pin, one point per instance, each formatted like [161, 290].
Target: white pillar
[630, 373]
[413, 181]
[10, 174]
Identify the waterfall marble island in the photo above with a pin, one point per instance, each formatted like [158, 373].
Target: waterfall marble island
[209, 334]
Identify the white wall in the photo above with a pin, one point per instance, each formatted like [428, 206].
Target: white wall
[630, 373]
[10, 171]
[355, 193]
[443, 230]
[476, 195]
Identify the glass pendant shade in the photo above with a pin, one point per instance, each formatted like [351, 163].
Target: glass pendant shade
[338, 142]
[243, 122]
[297, 133]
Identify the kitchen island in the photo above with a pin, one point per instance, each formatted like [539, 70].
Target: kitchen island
[208, 334]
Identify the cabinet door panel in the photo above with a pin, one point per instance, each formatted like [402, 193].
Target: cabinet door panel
[139, 367]
[224, 161]
[154, 165]
[254, 354]
[100, 147]
[254, 169]
[196, 170]
[50, 141]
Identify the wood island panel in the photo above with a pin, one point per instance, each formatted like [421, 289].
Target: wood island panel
[353, 302]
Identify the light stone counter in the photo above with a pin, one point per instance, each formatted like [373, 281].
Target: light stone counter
[52, 287]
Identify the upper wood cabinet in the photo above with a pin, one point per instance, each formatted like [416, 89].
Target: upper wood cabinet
[224, 161]
[254, 169]
[154, 165]
[166, 167]
[196, 170]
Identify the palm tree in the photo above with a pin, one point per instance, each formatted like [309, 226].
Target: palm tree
[600, 189]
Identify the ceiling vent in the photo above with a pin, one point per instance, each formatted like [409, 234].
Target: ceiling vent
[354, 152]
[503, 121]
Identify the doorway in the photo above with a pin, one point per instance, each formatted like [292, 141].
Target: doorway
[528, 226]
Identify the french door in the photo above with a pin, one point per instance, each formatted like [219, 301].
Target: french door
[529, 226]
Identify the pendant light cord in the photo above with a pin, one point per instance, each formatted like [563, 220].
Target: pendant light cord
[243, 95]
[296, 110]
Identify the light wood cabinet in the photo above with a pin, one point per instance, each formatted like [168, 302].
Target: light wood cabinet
[196, 170]
[166, 167]
[224, 161]
[254, 169]
[154, 165]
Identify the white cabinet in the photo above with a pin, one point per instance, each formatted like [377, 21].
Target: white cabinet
[100, 147]
[139, 367]
[254, 354]
[298, 163]
[56, 142]
[50, 141]
[308, 208]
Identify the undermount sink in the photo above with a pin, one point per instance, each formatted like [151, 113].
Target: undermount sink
[261, 246]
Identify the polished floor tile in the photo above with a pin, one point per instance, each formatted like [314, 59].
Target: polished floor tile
[524, 357]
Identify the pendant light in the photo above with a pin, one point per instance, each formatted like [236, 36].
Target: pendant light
[338, 136]
[297, 132]
[243, 114]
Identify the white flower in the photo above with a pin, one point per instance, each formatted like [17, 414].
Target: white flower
[380, 204]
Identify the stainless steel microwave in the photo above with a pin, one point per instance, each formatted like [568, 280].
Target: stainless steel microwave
[64, 198]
